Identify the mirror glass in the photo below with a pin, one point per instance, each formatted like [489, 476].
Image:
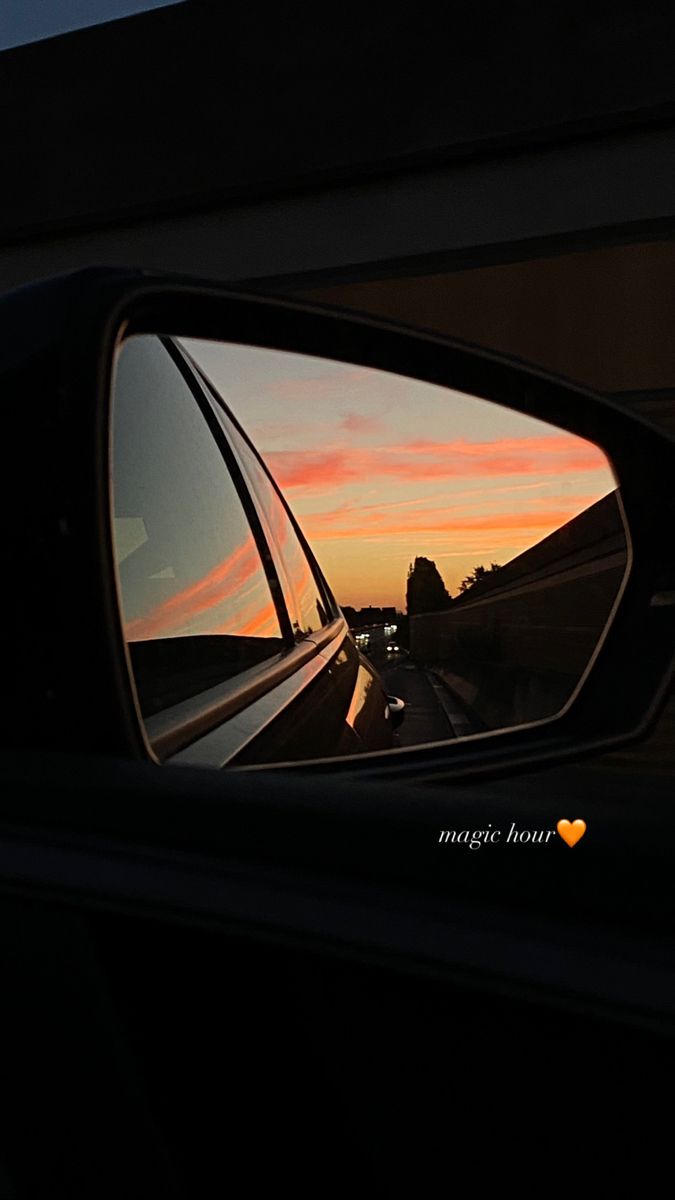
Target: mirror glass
[317, 559]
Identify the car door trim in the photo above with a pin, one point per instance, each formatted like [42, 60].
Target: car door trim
[171, 731]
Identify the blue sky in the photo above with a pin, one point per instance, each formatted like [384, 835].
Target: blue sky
[22, 21]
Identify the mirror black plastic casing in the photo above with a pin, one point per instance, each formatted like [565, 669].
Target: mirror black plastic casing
[66, 652]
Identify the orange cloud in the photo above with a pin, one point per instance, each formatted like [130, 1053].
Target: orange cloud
[178, 612]
[316, 470]
[324, 470]
[467, 493]
[264, 624]
[328, 526]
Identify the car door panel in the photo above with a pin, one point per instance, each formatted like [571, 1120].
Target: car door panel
[246, 932]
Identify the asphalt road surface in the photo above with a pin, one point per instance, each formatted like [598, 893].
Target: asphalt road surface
[426, 719]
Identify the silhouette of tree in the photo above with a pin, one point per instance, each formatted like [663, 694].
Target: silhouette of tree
[478, 573]
[425, 590]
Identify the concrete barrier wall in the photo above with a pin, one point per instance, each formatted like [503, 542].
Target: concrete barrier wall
[514, 648]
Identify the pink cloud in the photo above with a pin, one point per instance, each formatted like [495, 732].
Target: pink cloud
[324, 470]
[226, 582]
[356, 423]
[264, 623]
[350, 523]
[315, 470]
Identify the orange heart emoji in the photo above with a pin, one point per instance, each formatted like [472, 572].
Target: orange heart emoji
[571, 831]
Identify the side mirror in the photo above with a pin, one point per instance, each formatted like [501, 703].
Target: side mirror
[396, 711]
[242, 481]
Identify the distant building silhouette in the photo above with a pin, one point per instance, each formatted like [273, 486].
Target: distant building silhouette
[425, 590]
[357, 619]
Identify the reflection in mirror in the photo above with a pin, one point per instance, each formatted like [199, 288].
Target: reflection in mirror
[476, 554]
[196, 604]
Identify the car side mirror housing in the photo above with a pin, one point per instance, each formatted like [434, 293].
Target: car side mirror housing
[190, 652]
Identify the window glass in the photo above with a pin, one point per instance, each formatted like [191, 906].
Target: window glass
[304, 600]
[196, 604]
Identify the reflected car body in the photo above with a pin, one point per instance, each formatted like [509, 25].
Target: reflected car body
[238, 649]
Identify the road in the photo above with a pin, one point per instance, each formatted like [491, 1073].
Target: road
[432, 715]
[425, 719]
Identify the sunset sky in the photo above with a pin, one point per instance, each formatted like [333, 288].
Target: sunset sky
[379, 469]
